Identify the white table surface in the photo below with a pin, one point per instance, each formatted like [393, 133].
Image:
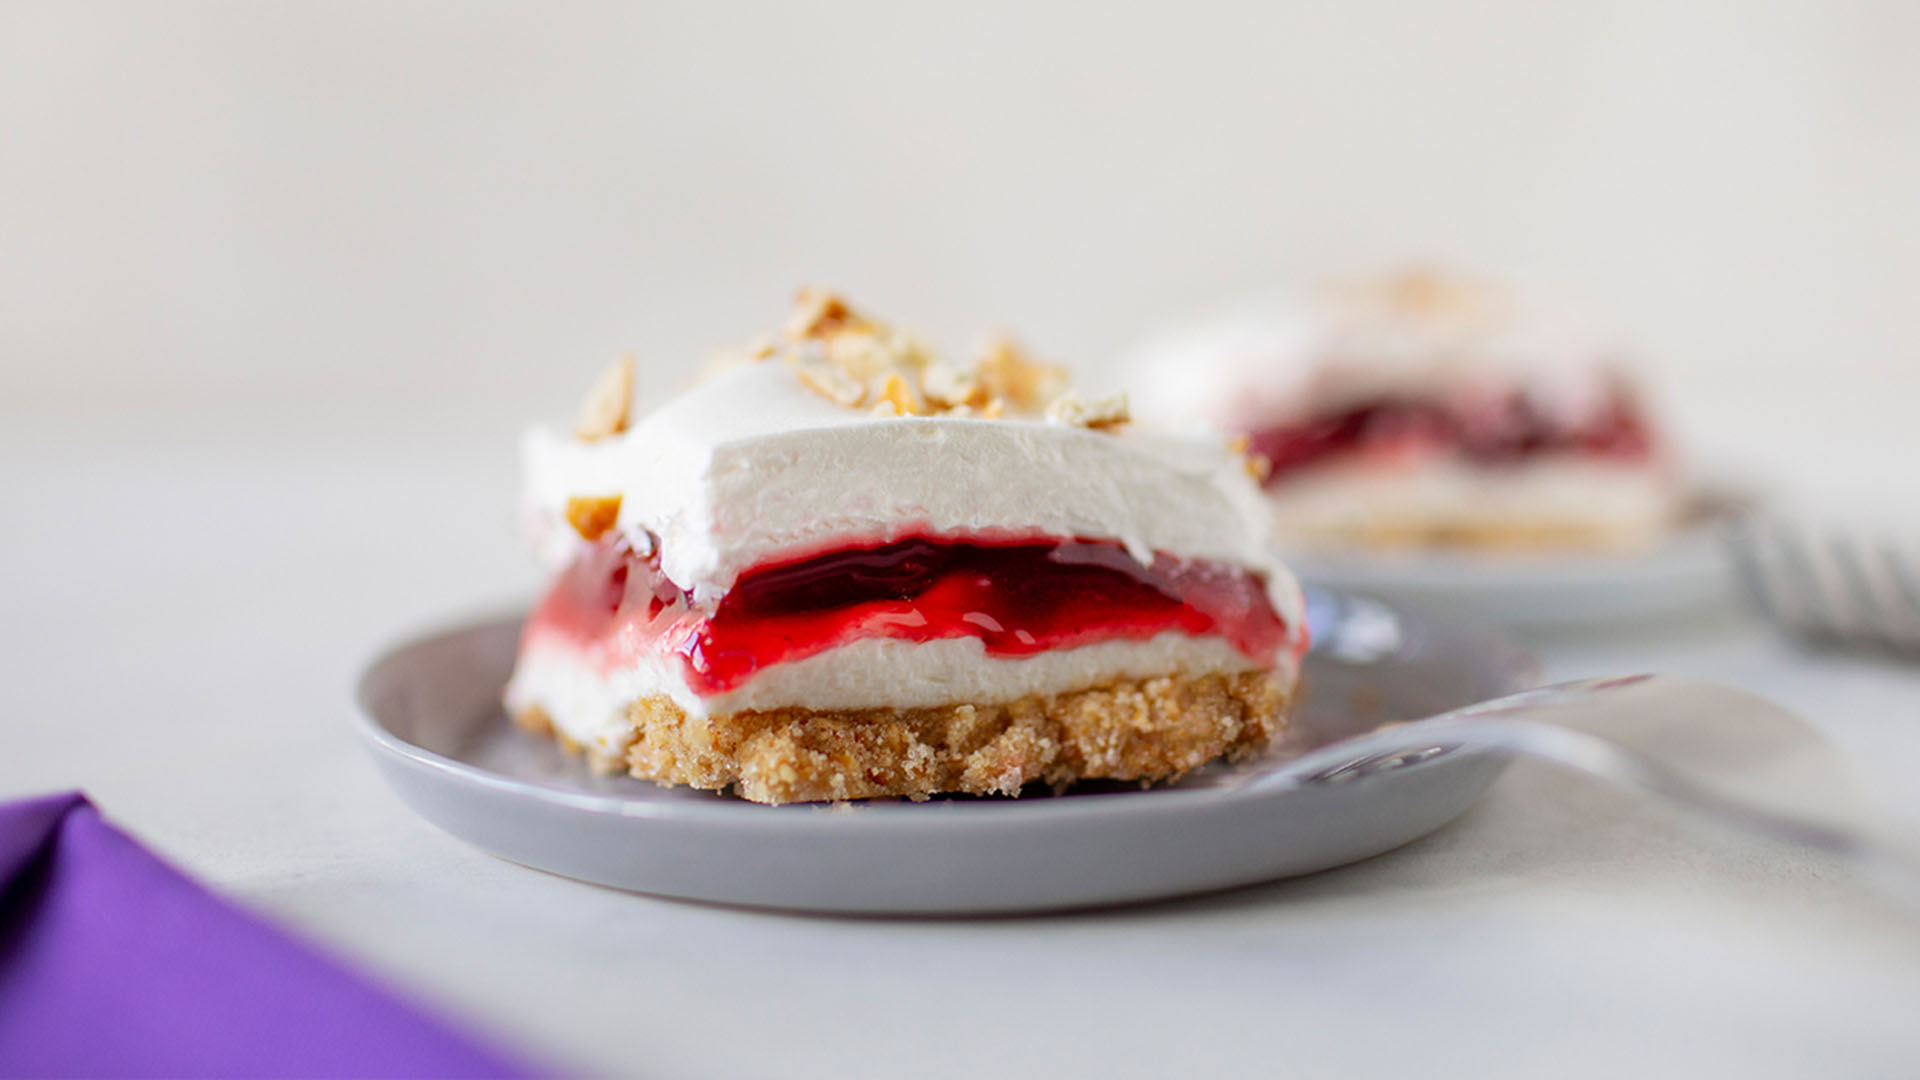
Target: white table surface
[191, 592]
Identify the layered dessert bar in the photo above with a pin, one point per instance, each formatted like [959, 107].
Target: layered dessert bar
[1427, 410]
[840, 568]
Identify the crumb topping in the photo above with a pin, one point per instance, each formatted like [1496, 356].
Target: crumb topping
[592, 515]
[1101, 414]
[1423, 294]
[609, 405]
[819, 314]
[865, 365]
[1011, 375]
[859, 362]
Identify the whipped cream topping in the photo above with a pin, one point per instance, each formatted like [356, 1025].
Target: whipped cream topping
[1414, 335]
[751, 465]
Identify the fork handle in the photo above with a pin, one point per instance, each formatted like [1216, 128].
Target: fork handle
[1889, 858]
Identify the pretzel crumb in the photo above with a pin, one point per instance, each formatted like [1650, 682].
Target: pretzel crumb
[609, 405]
[897, 390]
[945, 386]
[1424, 295]
[816, 313]
[1008, 372]
[862, 356]
[1103, 414]
[592, 515]
[831, 383]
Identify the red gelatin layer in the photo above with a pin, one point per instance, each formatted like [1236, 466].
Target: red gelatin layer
[1503, 431]
[1017, 598]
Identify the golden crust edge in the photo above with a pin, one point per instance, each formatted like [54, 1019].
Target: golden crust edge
[1147, 730]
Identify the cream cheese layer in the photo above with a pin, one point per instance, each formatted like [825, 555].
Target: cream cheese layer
[586, 697]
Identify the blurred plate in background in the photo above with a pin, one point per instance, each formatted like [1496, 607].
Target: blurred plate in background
[1688, 571]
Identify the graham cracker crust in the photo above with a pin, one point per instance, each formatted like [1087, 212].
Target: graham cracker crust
[1145, 730]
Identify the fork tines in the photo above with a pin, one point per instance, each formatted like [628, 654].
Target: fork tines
[1832, 586]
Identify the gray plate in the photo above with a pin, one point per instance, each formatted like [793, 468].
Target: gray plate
[1685, 572]
[431, 713]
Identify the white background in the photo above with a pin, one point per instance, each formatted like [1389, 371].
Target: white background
[305, 206]
[279, 282]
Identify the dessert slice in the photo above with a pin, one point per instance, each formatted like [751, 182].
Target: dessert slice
[1426, 410]
[838, 568]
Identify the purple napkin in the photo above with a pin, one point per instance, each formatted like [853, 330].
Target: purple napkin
[113, 964]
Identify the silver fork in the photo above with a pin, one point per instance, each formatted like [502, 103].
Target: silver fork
[1523, 725]
[1832, 587]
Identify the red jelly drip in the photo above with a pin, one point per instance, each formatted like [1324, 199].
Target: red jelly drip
[1511, 430]
[1018, 599]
